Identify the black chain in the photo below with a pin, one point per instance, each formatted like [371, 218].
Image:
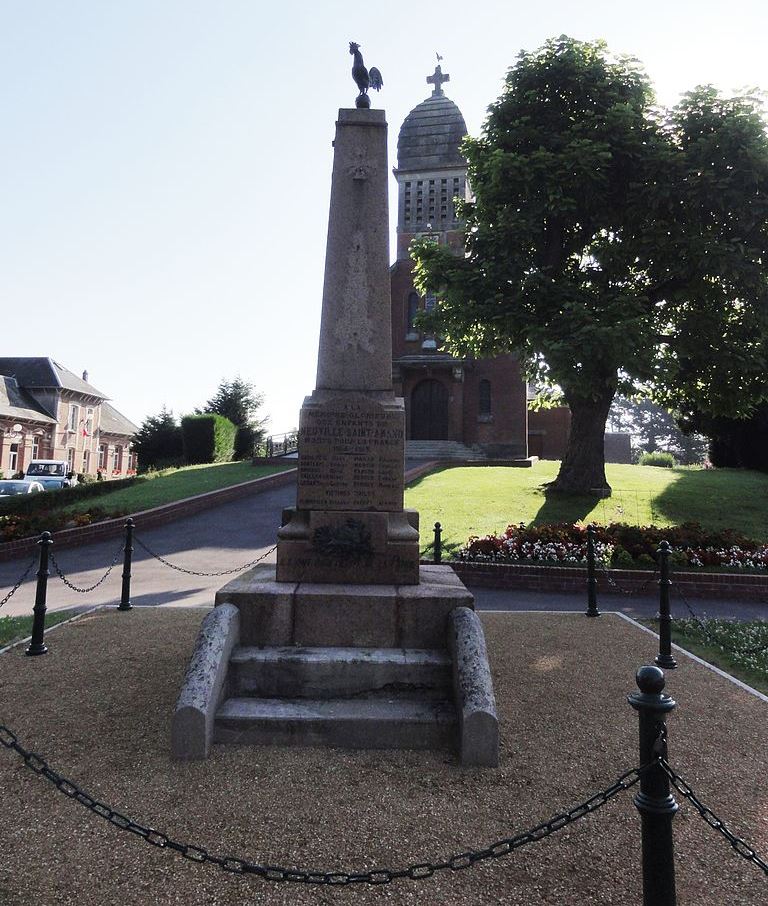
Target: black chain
[192, 572]
[416, 871]
[742, 848]
[20, 581]
[717, 643]
[84, 591]
[624, 591]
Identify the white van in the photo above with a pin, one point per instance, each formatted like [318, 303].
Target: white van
[40, 469]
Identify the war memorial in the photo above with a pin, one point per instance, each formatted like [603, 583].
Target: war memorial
[348, 641]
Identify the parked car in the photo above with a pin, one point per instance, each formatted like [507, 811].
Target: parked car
[49, 484]
[14, 487]
[50, 468]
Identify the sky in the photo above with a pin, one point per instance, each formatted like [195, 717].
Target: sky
[165, 165]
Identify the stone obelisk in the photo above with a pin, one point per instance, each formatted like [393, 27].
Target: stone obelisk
[349, 524]
[310, 654]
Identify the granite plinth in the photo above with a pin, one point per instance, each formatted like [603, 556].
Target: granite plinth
[326, 614]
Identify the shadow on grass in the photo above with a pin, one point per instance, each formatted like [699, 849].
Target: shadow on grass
[559, 507]
[718, 499]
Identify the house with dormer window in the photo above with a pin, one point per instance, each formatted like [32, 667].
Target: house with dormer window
[48, 412]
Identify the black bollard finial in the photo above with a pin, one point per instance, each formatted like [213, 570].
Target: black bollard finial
[438, 543]
[655, 803]
[664, 658]
[125, 593]
[37, 644]
[592, 610]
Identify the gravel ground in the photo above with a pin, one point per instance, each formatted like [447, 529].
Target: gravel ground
[98, 707]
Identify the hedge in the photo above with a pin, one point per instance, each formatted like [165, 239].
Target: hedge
[208, 438]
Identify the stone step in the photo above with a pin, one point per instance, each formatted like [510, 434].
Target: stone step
[290, 672]
[356, 723]
[441, 449]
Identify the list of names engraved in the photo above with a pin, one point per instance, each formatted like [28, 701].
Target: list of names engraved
[351, 456]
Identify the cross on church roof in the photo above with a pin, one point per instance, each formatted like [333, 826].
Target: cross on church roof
[437, 80]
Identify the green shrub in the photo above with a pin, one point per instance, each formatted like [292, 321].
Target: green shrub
[29, 504]
[245, 442]
[623, 559]
[659, 458]
[208, 438]
[158, 442]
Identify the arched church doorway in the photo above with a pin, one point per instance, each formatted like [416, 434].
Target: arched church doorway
[429, 411]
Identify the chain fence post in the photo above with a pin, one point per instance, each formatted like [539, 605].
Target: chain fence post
[438, 543]
[125, 595]
[657, 806]
[37, 644]
[664, 658]
[592, 610]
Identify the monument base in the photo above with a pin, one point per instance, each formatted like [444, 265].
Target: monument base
[348, 547]
[367, 666]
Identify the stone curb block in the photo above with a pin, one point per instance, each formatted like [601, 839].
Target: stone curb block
[204, 684]
[473, 690]
[159, 515]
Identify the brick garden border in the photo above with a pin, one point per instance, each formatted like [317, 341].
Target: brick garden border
[160, 515]
[567, 579]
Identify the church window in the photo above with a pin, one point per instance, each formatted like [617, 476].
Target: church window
[413, 308]
[484, 397]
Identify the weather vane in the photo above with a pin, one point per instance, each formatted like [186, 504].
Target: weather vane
[364, 78]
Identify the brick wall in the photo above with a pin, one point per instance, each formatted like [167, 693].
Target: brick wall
[572, 580]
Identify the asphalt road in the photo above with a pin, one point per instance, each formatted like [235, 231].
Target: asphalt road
[230, 536]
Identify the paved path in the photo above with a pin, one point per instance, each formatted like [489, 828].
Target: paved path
[231, 535]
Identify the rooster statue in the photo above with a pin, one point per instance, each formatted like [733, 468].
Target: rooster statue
[364, 78]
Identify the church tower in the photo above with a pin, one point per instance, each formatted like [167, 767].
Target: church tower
[478, 404]
[430, 172]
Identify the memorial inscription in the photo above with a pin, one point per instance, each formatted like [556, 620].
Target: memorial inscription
[351, 456]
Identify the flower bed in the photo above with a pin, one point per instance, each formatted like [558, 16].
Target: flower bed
[618, 545]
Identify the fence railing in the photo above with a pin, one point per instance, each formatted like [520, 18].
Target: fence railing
[277, 445]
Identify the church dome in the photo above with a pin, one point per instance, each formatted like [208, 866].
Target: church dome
[430, 135]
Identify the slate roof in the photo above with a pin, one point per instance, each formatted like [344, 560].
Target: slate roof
[430, 135]
[112, 422]
[40, 372]
[15, 403]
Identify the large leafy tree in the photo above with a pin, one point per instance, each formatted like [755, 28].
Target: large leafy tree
[609, 244]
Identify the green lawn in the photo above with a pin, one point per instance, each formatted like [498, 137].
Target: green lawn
[479, 500]
[176, 485]
[740, 649]
[14, 628]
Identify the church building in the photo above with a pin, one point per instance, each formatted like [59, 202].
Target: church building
[479, 404]
[456, 408]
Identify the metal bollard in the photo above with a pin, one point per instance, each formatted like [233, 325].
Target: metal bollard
[592, 610]
[664, 658]
[37, 645]
[125, 595]
[438, 543]
[657, 806]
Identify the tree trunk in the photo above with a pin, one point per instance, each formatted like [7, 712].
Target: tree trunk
[583, 467]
